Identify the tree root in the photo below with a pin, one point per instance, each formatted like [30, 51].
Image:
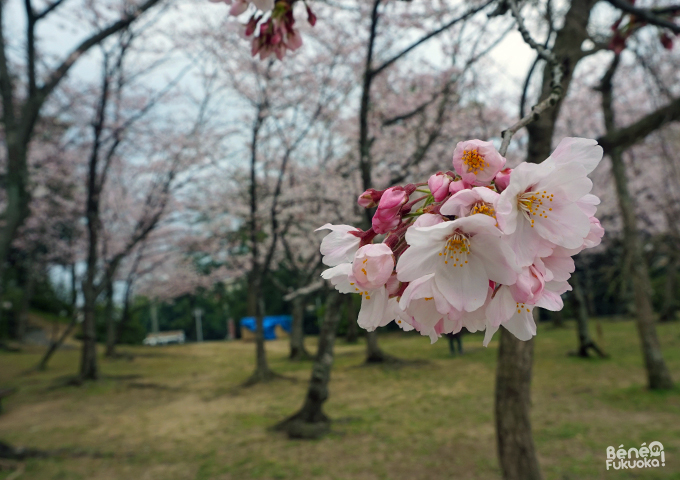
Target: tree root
[301, 426]
[265, 376]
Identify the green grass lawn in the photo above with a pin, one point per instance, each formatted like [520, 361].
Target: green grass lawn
[175, 412]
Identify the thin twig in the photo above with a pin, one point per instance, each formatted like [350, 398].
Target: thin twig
[556, 89]
[649, 16]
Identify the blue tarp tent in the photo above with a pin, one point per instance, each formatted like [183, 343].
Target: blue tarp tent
[269, 324]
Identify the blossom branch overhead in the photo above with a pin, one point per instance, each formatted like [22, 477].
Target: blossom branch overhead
[271, 25]
[477, 247]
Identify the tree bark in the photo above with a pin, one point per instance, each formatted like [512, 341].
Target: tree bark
[585, 342]
[670, 307]
[658, 376]
[110, 322]
[29, 287]
[352, 325]
[310, 421]
[513, 375]
[88, 359]
[558, 319]
[56, 344]
[516, 450]
[262, 372]
[373, 352]
[297, 332]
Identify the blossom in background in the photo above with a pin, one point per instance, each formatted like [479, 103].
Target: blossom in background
[479, 251]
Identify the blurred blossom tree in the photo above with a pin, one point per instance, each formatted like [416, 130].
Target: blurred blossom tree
[282, 179]
[136, 165]
[29, 79]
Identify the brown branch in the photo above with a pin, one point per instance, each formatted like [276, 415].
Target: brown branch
[90, 42]
[48, 9]
[555, 84]
[625, 137]
[6, 84]
[430, 35]
[649, 16]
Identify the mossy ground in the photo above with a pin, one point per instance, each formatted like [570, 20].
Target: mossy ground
[177, 412]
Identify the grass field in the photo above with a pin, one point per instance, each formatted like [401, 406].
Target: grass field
[175, 412]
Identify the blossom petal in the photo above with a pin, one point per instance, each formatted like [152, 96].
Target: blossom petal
[340, 278]
[527, 244]
[501, 307]
[498, 258]
[522, 325]
[340, 245]
[416, 262]
[584, 151]
[565, 226]
[373, 306]
[465, 286]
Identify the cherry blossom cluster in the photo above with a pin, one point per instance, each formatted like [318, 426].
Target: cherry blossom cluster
[477, 247]
[271, 25]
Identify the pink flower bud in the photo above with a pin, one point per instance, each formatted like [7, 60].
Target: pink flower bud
[238, 7]
[294, 40]
[529, 286]
[457, 186]
[252, 25]
[439, 186]
[311, 18]
[370, 198]
[387, 216]
[503, 179]
[477, 162]
[372, 266]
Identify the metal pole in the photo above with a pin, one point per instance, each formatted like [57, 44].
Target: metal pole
[199, 324]
[154, 318]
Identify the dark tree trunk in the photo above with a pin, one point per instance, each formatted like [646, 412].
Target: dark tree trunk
[110, 322]
[516, 450]
[22, 324]
[124, 316]
[658, 376]
[352, 325]
[558, 319]
[262, 372]
[670, 302]
[56, 344]
[373, 352]
[585, 342]
[311, 421]
[297, 331]
[513, 376]
[88, 359]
